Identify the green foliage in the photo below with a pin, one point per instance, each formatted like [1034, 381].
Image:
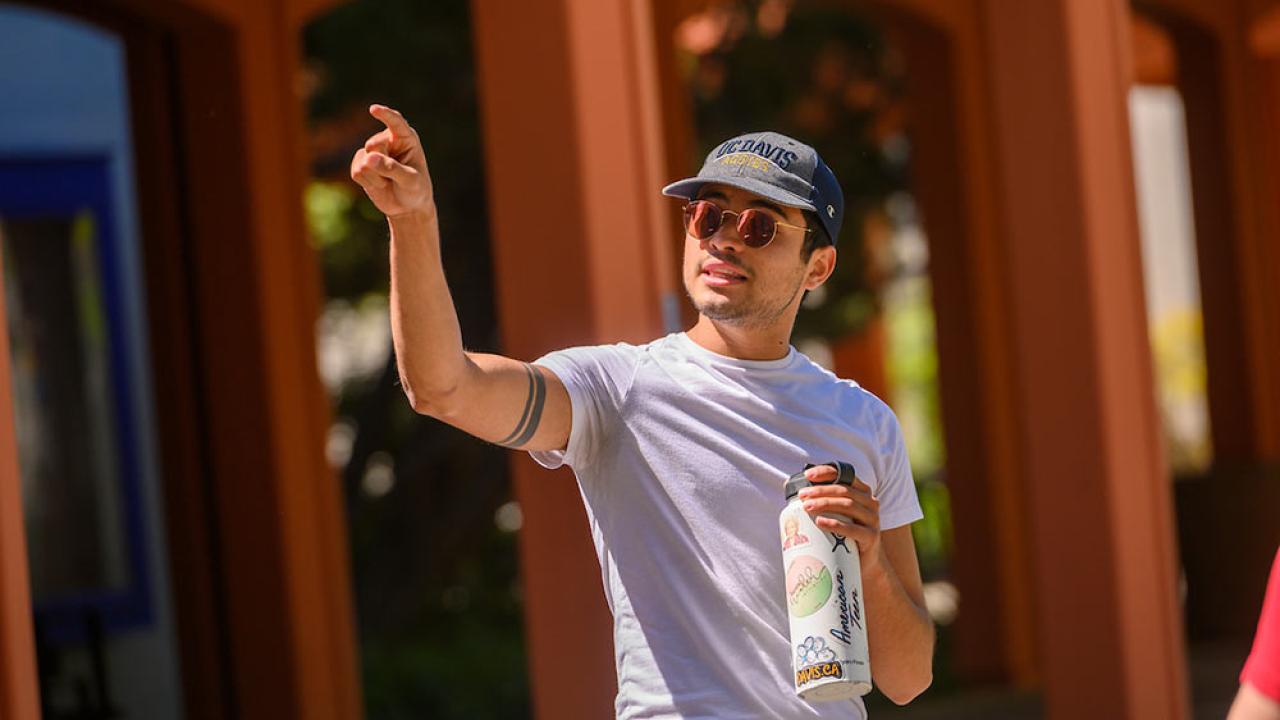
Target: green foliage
[913, 372]
[933, 534]
[327, 206]
[1177, 349]
[455, 661]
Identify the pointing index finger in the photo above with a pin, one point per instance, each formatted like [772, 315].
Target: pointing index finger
[394, 121]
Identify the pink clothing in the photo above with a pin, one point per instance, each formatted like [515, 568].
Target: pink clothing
[1262, 670]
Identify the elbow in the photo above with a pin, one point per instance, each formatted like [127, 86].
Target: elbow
[433, 403]
[419, 403]
[911, 681]
[907, 693]
[436, 394]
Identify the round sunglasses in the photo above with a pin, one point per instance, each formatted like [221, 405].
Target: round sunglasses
[757, 228]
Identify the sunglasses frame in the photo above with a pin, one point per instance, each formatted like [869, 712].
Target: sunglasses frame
[688, 214]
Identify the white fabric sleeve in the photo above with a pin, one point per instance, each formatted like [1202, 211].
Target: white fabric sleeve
[597, 379]
[895, 486]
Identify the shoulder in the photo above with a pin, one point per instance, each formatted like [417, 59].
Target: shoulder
[847, 390]
[852, 402]
[614, 365]
[608, 353]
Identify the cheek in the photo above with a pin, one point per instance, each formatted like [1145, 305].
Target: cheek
[691, 253]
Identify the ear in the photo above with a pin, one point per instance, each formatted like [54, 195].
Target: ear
[821, 264]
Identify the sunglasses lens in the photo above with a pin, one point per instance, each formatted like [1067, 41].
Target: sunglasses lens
[702, 219]
[756, 228]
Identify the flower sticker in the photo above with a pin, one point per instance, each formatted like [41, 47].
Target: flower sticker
[812, 651]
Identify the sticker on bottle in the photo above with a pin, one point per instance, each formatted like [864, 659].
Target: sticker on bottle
[808, 586]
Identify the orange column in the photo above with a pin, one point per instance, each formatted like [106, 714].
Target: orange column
[861, 357]
[1257, 112]
[287, 616]
[1099, 499]
[1200, 75]
[316, 605]
[581, 255]
[19, 694]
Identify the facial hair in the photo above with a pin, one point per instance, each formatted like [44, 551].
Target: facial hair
[759, 312]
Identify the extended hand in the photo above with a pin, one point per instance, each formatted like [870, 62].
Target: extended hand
[392, 168]
[857, 508]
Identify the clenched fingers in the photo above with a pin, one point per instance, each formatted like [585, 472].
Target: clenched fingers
[375, 168]
[380, 142]
[867, 516]
[822, 473]
[364, 174]
[865, 537]
[387, 166]
[859, 491]
[849, 510]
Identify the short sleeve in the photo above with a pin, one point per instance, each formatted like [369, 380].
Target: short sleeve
[1262, 670]
[895, 486]
[597, 379]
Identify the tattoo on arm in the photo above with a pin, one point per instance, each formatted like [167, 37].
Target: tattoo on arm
[528, 424]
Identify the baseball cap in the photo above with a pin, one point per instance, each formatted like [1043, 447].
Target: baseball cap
[773, 166]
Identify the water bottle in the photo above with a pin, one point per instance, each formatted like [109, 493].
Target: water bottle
[824, 601]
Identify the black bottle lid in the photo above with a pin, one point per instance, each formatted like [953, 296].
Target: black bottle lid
[845, 475]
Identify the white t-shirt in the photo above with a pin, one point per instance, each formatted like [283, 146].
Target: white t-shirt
[681, 455]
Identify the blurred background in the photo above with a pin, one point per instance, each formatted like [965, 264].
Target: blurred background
[1060, 267]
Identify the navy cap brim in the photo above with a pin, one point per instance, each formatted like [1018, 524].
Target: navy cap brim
[689, 187]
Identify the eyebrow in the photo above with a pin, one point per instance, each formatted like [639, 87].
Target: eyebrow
[716, 194]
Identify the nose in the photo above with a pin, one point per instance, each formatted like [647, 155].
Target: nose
[726, 238]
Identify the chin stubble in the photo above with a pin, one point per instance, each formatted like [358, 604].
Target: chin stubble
[747, 314]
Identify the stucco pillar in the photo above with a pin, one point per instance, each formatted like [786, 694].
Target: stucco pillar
[1098, 494]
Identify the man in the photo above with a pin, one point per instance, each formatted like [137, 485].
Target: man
[681, 446]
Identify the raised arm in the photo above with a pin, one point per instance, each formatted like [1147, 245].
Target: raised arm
[495, 398]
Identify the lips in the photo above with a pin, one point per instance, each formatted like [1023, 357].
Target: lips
[719, 273]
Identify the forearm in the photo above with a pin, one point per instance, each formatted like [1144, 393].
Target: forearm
[424, 323]
[1250, 704]
[900, 636]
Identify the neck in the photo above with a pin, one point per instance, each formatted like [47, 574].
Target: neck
[744, 343]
